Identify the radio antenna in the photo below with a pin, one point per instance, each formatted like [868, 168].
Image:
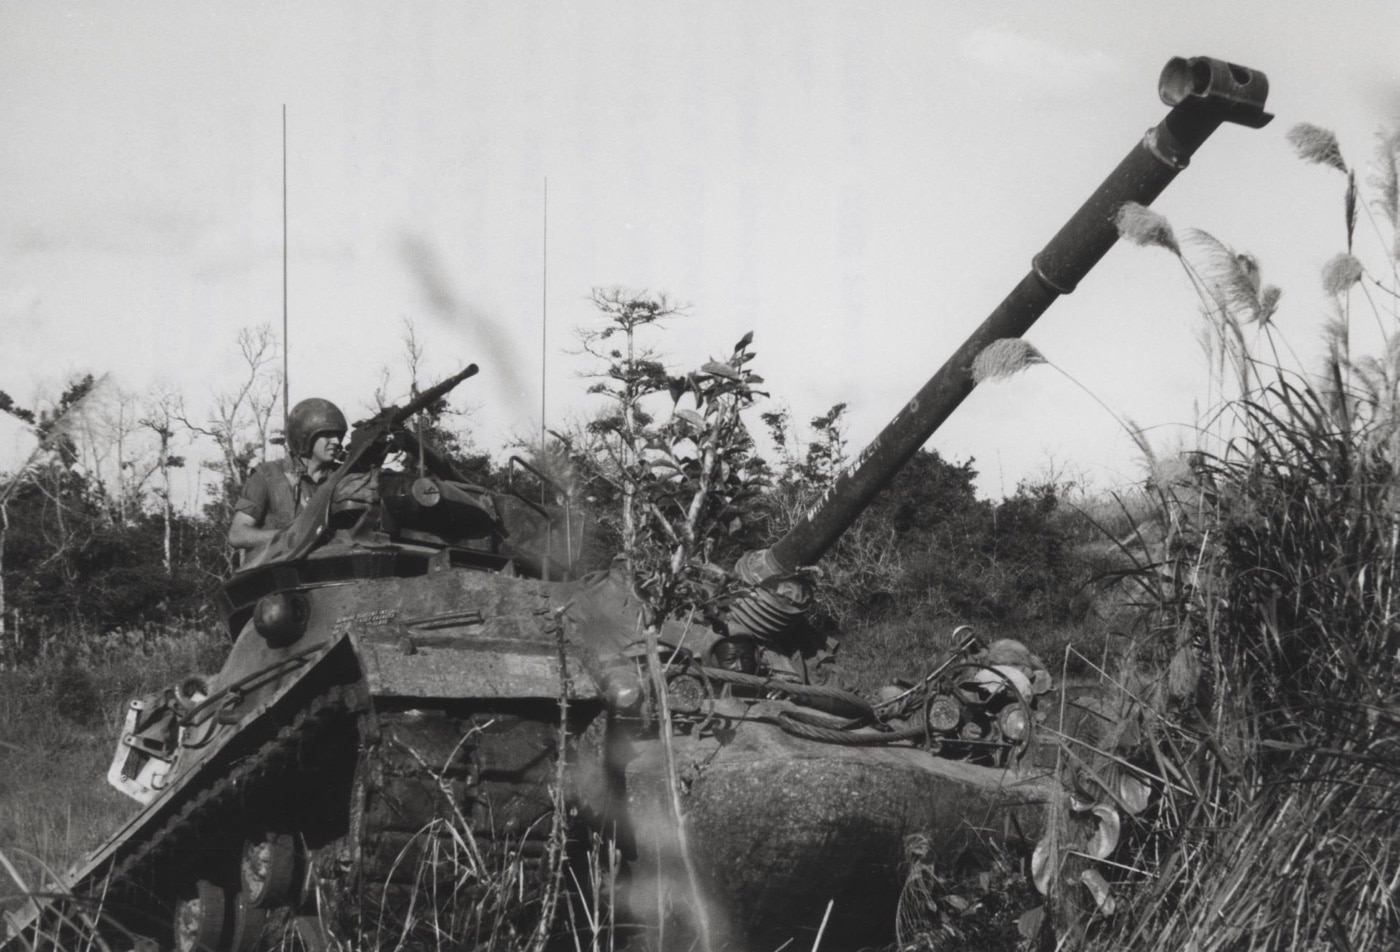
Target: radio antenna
[286, 375]
[544, 317]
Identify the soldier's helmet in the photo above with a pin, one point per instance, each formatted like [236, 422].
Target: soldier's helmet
[308, 420]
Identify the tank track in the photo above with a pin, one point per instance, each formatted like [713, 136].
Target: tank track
[135, 886]
[442, 820]
[245, 771]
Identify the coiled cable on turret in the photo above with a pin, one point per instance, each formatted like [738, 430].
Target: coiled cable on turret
[836, 716]
[990, 705]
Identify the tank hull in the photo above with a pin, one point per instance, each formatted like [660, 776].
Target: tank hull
[776, 826]
[411, 713]
[414, 736]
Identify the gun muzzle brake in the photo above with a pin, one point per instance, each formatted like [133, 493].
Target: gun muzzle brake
[1236, 93]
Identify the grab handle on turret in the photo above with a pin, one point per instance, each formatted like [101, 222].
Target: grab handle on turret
[1203, 94]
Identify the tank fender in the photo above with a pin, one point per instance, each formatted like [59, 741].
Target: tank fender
[197, 768]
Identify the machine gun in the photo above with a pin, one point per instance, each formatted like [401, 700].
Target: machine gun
[368, 442]
[375, 431]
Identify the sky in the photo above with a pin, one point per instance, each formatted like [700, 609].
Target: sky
[859, 184]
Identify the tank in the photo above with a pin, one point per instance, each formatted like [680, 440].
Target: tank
[424, 714]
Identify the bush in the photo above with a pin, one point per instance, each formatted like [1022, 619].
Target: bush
[1269, 714]
[1280, 651]
[928, 543]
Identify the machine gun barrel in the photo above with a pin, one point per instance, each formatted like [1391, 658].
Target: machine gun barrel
[430, 396]
[1203, 93]
[369, 433]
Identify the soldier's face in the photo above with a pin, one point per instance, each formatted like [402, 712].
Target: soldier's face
[326, 448]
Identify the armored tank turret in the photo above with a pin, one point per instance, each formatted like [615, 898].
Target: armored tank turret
[420, 696]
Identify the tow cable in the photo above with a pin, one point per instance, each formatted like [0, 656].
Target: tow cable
[961, 707]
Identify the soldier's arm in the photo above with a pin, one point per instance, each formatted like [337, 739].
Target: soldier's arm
[245, 533]
[246, 530]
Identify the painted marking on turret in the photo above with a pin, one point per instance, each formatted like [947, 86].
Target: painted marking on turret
[371, 619]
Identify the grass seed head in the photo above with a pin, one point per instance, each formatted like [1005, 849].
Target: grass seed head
[1316, 144]
[1235, 281]
[1140, 440]
[1170, 471]
[1386, 178]
[1268, 302]
[1004, 358]
[1340, 273]
[1142, 226]
[1336, 335]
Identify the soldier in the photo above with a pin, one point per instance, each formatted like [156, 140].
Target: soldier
[278, 490]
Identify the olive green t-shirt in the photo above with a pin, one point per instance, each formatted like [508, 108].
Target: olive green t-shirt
[275, 493]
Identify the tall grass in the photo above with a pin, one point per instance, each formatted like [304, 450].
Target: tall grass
[60, 718]
[1268, 701]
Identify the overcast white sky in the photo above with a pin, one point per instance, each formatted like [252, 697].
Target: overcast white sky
[857, 183]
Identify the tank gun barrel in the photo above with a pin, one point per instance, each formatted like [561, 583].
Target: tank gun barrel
[1203, 94]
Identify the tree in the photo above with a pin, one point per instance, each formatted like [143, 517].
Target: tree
[51, 477]
[684, 487]
[159, 418]
[631, 373]
[812, 467]
[919, 540]
[241, 422]
[698, 483]
[806, 468]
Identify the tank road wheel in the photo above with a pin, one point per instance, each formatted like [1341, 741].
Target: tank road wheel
[269, 870]
[204, 921]
[217, 919]
[248, 922]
